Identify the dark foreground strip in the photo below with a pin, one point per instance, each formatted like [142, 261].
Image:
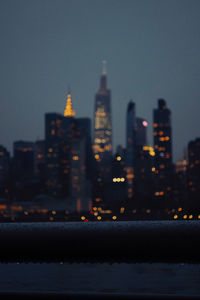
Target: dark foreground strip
[147, 241]
[104, 296]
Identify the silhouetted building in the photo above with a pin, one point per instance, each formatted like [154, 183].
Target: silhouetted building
[180, 183]
[83, 128]
[141, 132]
[68, 153]
[39, 160]
[144, 177]
[4, 170]
[130, 148]
[102, 146]
[116, 194]
[53, 140]
[163, 149]
[194, 173]
[23, 160]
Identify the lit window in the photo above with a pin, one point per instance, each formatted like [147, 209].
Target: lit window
[122, 209]
[75, 157]
[97, 156]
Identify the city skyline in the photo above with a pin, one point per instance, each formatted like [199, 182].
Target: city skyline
[65, 42]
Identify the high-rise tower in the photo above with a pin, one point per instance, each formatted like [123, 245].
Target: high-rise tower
[102, 146]
[130, 147]
[163, 149]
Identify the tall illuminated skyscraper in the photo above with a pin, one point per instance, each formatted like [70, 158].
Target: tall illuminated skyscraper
[163, 149]
[102, 146]
[130, 147]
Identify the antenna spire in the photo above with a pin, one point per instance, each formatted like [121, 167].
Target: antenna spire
[69, 111]
[104, 69]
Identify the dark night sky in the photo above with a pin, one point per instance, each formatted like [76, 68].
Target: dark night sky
[152, 48]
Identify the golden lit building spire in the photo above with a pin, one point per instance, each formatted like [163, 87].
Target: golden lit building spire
[69, 111]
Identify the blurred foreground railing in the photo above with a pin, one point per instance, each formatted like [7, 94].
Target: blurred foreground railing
[147, 241]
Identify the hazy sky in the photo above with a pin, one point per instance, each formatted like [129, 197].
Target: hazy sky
[152, 48]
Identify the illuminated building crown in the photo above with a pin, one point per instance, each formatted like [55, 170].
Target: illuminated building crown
[69, 111]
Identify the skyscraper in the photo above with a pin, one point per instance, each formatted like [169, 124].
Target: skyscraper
[23, 160]
[194, 173]
[53, 140]
[163, 149]
[130, 147]
[141, 132]
[4, 170]
[59, 131]
[102, 145]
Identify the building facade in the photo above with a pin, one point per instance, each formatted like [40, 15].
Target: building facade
[130, 148]
[162, 132]
[194, 174]
[102, 145]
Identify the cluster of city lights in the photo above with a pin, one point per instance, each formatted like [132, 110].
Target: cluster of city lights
[117, 179]
[150, 149]
[185, 217]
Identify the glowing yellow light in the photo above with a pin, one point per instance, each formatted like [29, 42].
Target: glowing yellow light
[148, 211]
[83, 218]
[114, 179]
[95, 213]
[122, 209]
[94, 208]
[53, 212]
[122, 179]
[75, 157]
[119, 158]
[145, 148]
[130, 176]
[69, 111]
[175, 217]
[190, 216]
[99, 218]
[153, 169]
[198, 216]
[114, 217]
[97, 156]
[152, 153]
[185, 217]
